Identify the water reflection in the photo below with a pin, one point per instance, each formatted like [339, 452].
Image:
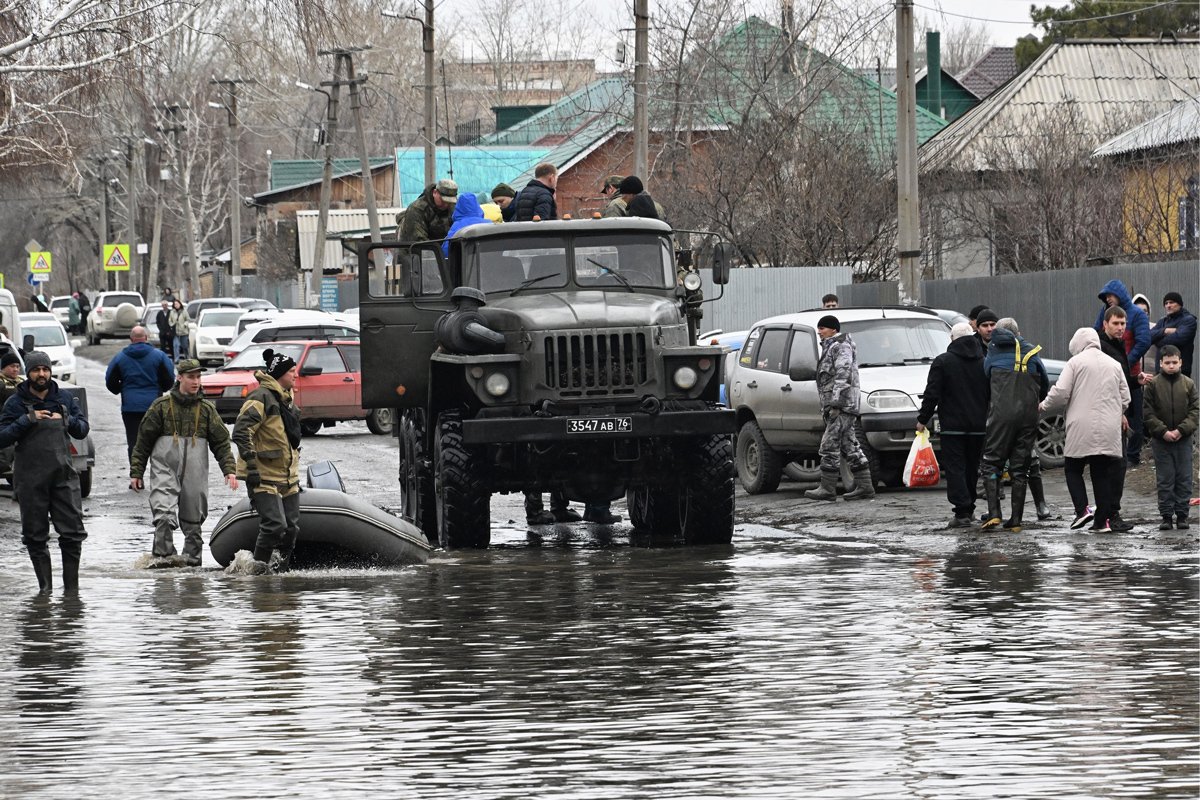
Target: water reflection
[50, 658]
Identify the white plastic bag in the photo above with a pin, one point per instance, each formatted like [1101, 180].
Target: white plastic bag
[921, 468]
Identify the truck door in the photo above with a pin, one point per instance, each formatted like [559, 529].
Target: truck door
[403, 291]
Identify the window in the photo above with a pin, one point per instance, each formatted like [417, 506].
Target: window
[114, 300]
[803, 352]
[498, 265]
[400, 272]
[746, 359]
[771, 350]
[252, 357]
[220, 319]
[1189, 219]
[352, 356]
[896, 342]
[645, 261]
[327, 358]
[284, 334]
[337, 332]
[46, 335]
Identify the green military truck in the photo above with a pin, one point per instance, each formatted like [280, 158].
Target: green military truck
[549, 355]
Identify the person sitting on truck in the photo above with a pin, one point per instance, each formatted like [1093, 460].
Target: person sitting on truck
[537, 198]
[428, 217]
[466, 213]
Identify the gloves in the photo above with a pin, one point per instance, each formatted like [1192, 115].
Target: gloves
[252, 478]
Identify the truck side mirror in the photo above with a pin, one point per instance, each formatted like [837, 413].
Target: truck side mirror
[802, 372]
[722, 255]
[27, 343]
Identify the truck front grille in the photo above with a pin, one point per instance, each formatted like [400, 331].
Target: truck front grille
[585, 364]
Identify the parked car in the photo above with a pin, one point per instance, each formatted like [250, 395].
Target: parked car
[328, 388]
[294, 325]
[60, 307]
[733, 341]
[204, 303]
[212, 333]
[51, 338]
[114, 315]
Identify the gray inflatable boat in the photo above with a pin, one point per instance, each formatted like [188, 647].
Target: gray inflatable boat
[335, 530]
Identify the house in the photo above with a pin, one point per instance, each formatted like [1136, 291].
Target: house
[1160, 165]
[956, 98]
[1067, 102]
[994, 68]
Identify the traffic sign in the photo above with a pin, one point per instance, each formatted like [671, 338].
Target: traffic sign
[39, 261]
[116, 258]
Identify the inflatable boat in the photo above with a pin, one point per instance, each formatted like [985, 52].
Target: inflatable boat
[336, 529]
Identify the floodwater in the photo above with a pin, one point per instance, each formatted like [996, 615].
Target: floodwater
[831, 659]
[785, 666]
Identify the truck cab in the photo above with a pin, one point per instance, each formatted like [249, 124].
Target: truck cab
[548, 355]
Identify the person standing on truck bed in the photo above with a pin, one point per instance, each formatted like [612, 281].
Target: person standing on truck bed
[429, 216]
[537, 198]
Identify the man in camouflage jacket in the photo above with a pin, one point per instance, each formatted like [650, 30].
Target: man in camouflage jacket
[837, 387]
[173, 442]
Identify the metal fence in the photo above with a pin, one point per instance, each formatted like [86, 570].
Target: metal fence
[754, 294]
[1049, 306]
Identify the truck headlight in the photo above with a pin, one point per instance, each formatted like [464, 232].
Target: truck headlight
[691, 281]
[685, 378]
[497, 384]
[889, 400]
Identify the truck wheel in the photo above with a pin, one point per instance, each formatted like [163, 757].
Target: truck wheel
[85, 482]
[655, 510]
[463, 500]
[381, 421]
[759, 467]
[710, 493]
[417, 500]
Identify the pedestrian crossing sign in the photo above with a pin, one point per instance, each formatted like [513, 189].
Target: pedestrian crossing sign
[39, 261]
[116, 258]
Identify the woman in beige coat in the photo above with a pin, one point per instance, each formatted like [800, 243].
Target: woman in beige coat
[1095, 394]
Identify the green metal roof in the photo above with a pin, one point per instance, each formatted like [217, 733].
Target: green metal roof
[298, 172]
[475, 168]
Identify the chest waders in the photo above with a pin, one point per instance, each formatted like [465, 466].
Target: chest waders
[177, 477]
[47, 489]
[1012, 442]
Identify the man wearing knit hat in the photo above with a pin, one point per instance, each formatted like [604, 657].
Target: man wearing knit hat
[172, 444]
[1177, 328]
[837, 387]
[40, 420]
[10, 379]
[267, 435]
[503, 196]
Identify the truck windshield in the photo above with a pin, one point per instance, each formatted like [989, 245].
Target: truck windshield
[593, 262]
[641, 261]
[895, 342]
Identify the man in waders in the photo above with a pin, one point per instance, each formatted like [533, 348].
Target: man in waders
[173, 442]
[40, 419]
[267, 435]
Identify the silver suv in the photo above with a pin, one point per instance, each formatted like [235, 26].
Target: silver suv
[773, 388]
[114, 315]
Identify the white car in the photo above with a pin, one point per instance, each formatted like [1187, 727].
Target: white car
[51, 338]
[60, 307]
[295, 326]
[212, 333]
[114, 315]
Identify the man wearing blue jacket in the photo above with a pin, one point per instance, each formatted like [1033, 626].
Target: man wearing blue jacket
[1177, 328]
[40, 419]
[466, 213]
[139, 374]
[1137, 342]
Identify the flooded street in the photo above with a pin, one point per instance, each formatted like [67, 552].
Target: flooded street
[832, 651]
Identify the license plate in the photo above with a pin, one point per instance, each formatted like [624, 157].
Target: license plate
[600, 425]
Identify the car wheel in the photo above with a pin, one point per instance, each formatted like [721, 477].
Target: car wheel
[381, 421]
[759, 467]
[1051, 440]
[310, 427]
[85, 482]
[804, 470]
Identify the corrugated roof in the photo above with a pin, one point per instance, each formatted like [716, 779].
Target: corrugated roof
[1180, 124]
[477, 168]
[289, 173]
[994, 69]
[1110, 83]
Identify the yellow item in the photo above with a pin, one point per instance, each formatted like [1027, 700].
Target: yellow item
[492, 212]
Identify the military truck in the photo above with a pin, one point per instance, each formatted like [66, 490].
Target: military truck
[549, 355]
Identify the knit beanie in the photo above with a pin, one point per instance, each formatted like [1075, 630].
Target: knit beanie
[1173, 297]
[37, 359]
[9, 358]
[987, 315]
[278, 364]
[503, 190]
[829, 321]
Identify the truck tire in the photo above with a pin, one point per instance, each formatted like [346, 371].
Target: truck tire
[655, 510]
[381, 421]
[710, 493]
[759, 467]
[417, 501]
[460, 488]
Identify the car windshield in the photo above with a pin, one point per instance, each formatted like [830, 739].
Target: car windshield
[220, 319]
[621, 262]
[252, 357]
[45, 335]
[117, 299]
[60, 302]
[895, 342]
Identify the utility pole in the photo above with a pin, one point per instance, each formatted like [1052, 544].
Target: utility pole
[641, 88]
[185, 188]
[908, 207]
[156, 234]
[331, 121]
[430, 132]
[235, 198]
[102, 173]
[130, 212]
[364, 160]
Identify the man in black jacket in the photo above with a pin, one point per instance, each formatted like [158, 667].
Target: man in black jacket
[957, 390]
[537, 198]
[1112, 342]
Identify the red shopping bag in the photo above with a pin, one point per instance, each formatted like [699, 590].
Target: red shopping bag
[921, 469]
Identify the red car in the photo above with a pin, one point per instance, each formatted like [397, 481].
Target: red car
[328, 388]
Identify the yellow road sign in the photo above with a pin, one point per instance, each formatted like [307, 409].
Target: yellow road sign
[116, 258]
[39, 261]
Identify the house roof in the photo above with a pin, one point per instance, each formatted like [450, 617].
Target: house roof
[1179, 125]
[356, 171]
[994, 68]
[477, 168]
[286, 174]
[1109, 82]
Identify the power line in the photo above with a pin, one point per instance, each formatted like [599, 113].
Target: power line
[1049, 22]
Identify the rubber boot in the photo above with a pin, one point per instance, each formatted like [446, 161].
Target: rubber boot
[71, 551]
[828, 488]
[991, 491]
[42, 569]
[864, 485]
[1039, 497]
[1013, 523]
